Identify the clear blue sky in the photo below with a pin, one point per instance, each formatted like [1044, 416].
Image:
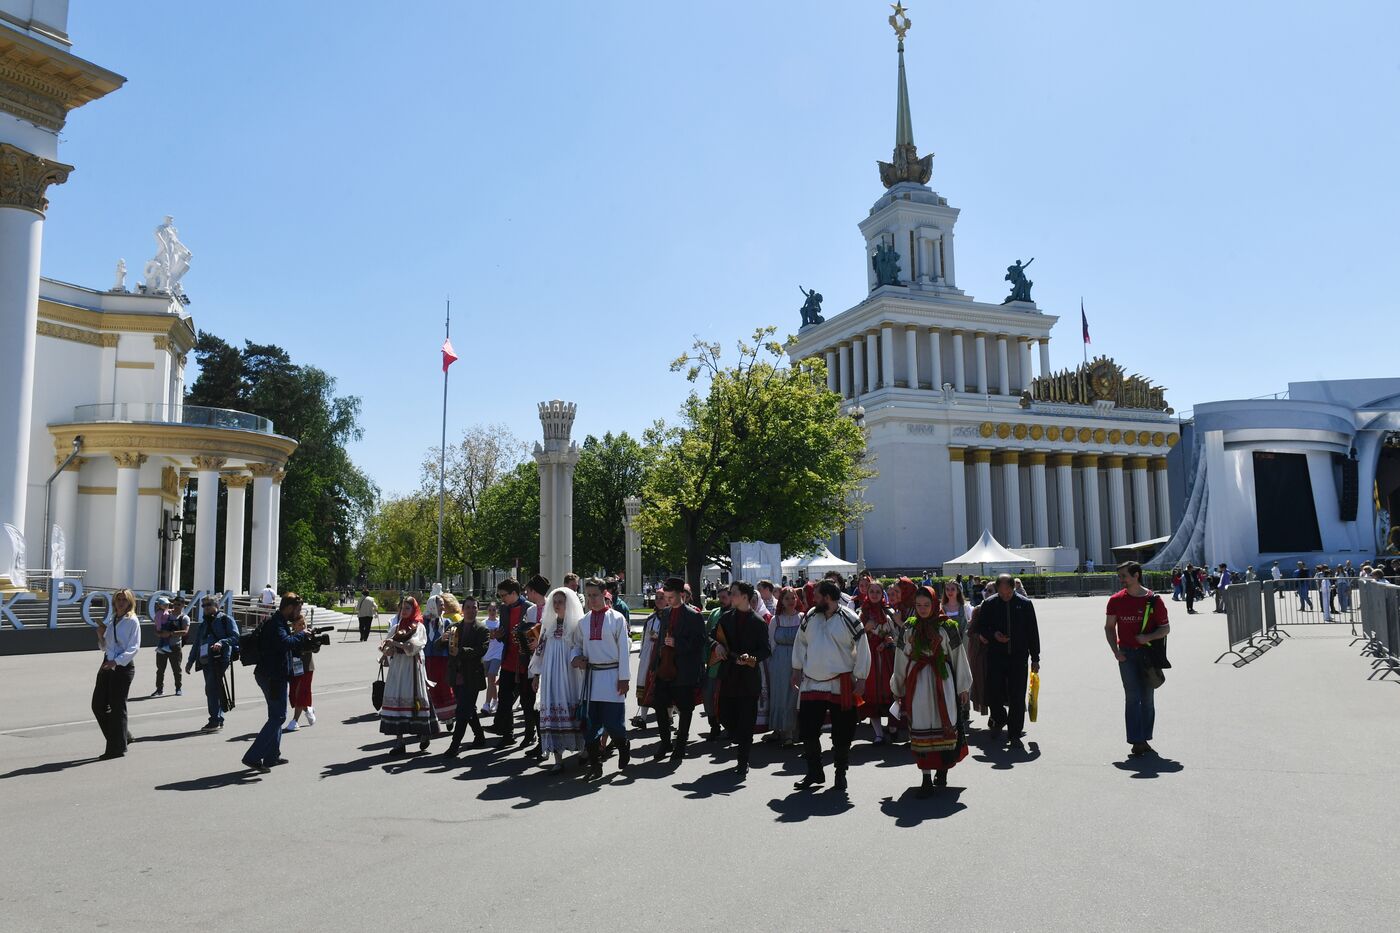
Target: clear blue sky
[596, 183]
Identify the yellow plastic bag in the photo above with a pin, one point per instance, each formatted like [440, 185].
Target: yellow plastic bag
[1033, 704]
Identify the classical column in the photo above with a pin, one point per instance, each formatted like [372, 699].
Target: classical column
[1003, 367]
[237, 486]
[1045, 356]
[260, 561]
[632, 539]
[959, 363]
[274, 553]
[1158, 465]
[559, 454]
[1093, 536]
[845, 364]
[981, 363]
[911, 355]
[857, 367]
[936, 251]
[935, 350]
[124, 519]
[64, 512]
[206, 525]
[887, 356]
[949, 273]
[24, 179]
[1142, 511]
[1011, 492]
[872, 361]
[982, 465]
[1023, 344]
[831, 371]
[1117, 517]
[958, 473]
[1064, 486]
[1040, 508]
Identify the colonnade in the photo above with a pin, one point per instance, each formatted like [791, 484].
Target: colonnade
[993, 491]
[869, 361]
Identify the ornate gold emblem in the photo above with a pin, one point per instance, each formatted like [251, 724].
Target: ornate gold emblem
[1129, 438]
[1037, 432]
[1003, 430]
[1052, 433]
[1172, 439]
[1115, 436]
[1019, 431]
[987, 429]
[1143, 438]
[899, 20]
[1158, 439]
[1084, 435]
[1100, 379]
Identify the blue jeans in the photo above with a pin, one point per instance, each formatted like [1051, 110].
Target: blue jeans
[213, 690]
[609, 718]
[267, 747]
[1139, 710]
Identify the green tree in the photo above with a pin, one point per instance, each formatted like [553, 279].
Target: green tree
[609, 469]
[765, 454]
[323, 489]
[508, 519]
[473, 465]
[395, 545]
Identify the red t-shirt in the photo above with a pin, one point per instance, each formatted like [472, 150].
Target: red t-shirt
[511, 618]
[1127, 611]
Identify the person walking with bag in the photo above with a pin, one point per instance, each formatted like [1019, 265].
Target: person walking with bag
[1136, 626]
[212, 653]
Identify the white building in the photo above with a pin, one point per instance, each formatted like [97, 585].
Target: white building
[102, 373]
[967, 427]
[1312, 477]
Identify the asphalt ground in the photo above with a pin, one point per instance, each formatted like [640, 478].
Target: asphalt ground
[1270, 809]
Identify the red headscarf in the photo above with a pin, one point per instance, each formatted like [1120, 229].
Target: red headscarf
[872, 609]
[906, 588]
[413, 619]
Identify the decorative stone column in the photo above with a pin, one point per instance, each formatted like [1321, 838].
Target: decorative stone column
[1093, 535]
[206, 527]
[632, 539]
[935, 350]
[1158, 466]
[958, 473]
[557, 457]
[1023, 345]
[872, 361]
[1117, 501]
[237, 486]
[1011, 493]
[1003, 366]
[857, 367]
[959, 363]
[64, 512]
[24, 180]
[1045, 356]
[260, 562]
[845, 369]
[124, 518]
[831, 370]
[1040, 507]
[886, 356]
[911, 355]
[981, 362]
[1064, 487]
[274, 554]
[1142, 511]
[982, 466]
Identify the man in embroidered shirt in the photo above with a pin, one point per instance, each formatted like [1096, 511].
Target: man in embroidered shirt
[830, 661]
[678, 664]
[1128, 627]
[602, 647]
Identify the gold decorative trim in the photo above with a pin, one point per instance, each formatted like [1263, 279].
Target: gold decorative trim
[1052, 433]
[60, 332]
[182, 439]
[25, 177]
[73, 467]
[1129, 438]
[41, 84]
[1112, 462]
[1019, 432]
[207, 464]
[128, 459]
[1060, 460]
[1143, 438]
[956, 454]
[982, 455]
[237, 480]
[1084, 435]
[1158, 438]
[1100, 435]
[170, 482]
[109, 341]
[179, 331]
[1115, 436]
[1036, 458]
[1067, 433]
[1137, 463]
[1003, 430]
[97, 490]
[135, 364]
[1037, 432]
[1087, 461]
[278, 477]
[1010, 457]
[1172, 439]
[987, 429]
[162, 341]
[262, 470]
[1157, 464]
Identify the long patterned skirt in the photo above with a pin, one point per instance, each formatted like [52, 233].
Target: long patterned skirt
[561, 686]
[406, 709]
[440, 689]
[934, 737]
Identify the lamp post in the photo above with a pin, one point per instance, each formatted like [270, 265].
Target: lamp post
[857, 414]
[172, 529]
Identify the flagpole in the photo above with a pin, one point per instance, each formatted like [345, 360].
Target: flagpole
[442, 449]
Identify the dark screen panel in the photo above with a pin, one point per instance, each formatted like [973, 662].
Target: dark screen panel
[1283, 499]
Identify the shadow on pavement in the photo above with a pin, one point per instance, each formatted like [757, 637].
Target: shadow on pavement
[1004, 758]
[51, 767]
[723, 783]
[911, 810]
[1149, 767]
[802, 805]
[228, 779]
[362, 718]
[171, 736]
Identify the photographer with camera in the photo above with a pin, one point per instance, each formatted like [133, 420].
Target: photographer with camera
[212, 654]
[303, 666]
[276, 646]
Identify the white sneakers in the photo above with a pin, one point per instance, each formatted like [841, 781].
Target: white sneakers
[311, 715]
[291, 726]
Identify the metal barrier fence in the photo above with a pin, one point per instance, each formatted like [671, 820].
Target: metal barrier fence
[1311, 601]
[1380, 626]
[1258, 613]
[1245, 622]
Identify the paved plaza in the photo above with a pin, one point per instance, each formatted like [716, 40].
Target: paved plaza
[1269, 811]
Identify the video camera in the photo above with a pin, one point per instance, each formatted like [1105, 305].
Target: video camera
[317, 636]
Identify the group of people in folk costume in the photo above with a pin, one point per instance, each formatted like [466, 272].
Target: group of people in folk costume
[767, 661]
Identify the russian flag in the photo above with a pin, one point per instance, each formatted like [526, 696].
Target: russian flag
[1084, 321]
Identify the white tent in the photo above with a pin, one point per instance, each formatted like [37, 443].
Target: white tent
[988, 556]
[813, 565]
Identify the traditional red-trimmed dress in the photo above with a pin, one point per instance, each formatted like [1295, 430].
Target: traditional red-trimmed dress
[879, 626]
[928, 676]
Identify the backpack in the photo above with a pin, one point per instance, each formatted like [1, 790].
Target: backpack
[250, 645]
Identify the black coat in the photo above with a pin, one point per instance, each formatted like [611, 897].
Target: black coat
[1015, 618]
[744, 633]
[467, 669]
[687, 626]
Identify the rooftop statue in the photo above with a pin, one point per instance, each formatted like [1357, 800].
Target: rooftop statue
[812, 307]
[172, 260]
[886, 264]
[1020, 285]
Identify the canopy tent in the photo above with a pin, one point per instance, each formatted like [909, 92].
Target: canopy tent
[988, 556]
[813, 565]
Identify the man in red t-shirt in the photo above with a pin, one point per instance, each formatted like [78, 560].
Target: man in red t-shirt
[1136, 617]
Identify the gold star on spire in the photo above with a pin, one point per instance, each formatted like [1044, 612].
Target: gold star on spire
[899, 20]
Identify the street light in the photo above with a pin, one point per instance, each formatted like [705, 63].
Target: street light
[857, 414]
[173, 528]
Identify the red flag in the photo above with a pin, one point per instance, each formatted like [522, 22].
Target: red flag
[449, 356]
[1084, 321]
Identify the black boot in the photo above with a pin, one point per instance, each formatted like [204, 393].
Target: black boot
[594, 771]
[624, 755]
[926, 788]
[941, 779]
[814, 777]
[840, 780]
